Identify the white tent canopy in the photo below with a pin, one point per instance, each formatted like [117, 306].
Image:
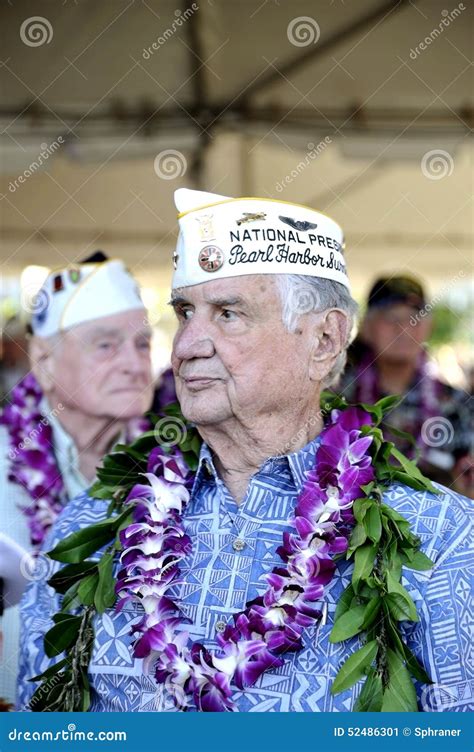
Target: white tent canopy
[332, 104]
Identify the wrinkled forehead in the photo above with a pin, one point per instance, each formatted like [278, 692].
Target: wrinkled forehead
[124, 324]
[251, 288]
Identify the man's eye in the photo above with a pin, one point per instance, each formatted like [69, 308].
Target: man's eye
[229, 315]
[184, 313]
[105, 346]
[144, 345]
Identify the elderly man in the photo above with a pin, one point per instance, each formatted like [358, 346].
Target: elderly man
[230, 569]
[89, 385]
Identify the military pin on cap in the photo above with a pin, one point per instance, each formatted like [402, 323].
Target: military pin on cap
[74, 275]
[211, 258]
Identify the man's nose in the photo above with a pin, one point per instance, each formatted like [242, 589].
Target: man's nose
[193, 341]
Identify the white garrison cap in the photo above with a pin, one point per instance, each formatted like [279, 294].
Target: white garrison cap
[228, 237]
[83, 292]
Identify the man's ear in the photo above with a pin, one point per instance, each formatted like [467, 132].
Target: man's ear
[42, 362]
[331, 335]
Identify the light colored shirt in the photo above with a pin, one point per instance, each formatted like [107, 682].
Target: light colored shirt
[66, 454]
[219, 577]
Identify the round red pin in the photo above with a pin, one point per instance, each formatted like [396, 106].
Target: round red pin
[211, 258]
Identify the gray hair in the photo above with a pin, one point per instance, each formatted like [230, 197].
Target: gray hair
[302, 294]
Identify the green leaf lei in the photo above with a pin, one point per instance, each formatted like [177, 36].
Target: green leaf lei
[374, 603]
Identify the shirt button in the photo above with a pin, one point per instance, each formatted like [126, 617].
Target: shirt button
[238, 544]
[220, 626]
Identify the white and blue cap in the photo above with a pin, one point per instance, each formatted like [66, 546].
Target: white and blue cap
[83, 292]
[229, 237]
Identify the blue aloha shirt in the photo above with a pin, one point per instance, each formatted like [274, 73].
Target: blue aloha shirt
[221, 575]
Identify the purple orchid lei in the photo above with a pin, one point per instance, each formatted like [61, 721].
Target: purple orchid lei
[156, 542]
[32, 461]
[33, 464]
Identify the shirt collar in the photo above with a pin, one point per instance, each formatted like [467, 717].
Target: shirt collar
[299, 464]
[66, 452]
[303, 461]
[64, 445]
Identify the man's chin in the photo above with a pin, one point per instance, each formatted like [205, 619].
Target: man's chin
[202, 409]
